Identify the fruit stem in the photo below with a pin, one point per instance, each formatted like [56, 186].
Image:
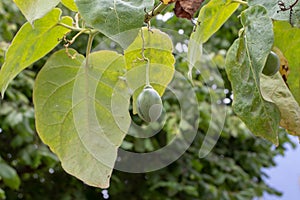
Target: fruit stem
[145, 59]
[147, 72]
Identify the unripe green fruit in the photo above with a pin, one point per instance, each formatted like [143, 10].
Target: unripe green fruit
[272, 64]
[149, 104]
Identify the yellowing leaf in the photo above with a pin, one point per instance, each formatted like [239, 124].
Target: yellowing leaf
[287, 39]
[70, 4]
[211, 17]
[275, 90]
[31, 44]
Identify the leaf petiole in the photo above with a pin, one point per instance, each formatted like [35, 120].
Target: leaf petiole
[145, 59]
[70, 27]
[89, 46]
[78, 29]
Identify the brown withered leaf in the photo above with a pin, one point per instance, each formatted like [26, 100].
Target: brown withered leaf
[284, 65]
[187, 8]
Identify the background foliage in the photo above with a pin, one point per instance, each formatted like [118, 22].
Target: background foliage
[28, 170]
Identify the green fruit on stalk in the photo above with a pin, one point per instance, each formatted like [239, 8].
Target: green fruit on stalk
[272, 64]
[149, 104]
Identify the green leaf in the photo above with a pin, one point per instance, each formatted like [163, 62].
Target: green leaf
[287, 39]
[9, 176]
[35, 9]
[244, 64]
[2, 194]
[275, 90]
[70, 4]
[211, 17]
[31, 44]
[158, 48]
[119, 20]
[73, 105]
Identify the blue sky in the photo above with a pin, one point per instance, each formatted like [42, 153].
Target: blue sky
[286, 175]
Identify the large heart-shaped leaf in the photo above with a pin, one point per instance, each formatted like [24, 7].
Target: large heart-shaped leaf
[74, 115]
[31, 44]
[119, 19]
[244, 64]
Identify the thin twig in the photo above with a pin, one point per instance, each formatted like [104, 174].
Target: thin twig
[155, 11]
[70, 42]
[286, 8]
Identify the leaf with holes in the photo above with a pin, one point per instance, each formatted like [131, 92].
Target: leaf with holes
[74, 115]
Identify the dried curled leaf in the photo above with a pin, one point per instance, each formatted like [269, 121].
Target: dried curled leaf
[187, 8]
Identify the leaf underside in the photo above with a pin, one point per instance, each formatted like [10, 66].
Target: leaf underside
[73, 113]
[244, 64]
[119, 20]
